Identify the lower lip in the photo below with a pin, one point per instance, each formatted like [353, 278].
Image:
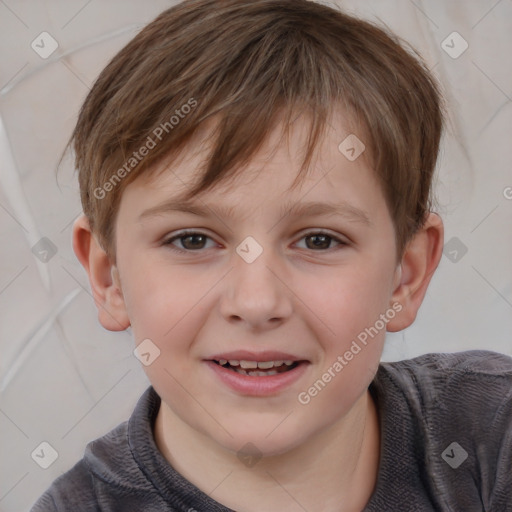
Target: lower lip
[258, 386]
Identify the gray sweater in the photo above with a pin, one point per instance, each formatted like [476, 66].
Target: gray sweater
[446, 445]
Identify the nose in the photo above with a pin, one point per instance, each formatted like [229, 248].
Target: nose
[256, 293]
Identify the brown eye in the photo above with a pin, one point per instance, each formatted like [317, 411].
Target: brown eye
[318, 241]
[193, 241]
[189, 241]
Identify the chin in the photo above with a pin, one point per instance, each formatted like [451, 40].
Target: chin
[259, 443]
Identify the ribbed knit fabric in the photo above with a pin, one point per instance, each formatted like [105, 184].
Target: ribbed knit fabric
[425, 405]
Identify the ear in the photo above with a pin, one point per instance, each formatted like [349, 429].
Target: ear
[419, 262]
[103, 277]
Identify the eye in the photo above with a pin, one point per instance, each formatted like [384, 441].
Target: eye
[320, 240]
[194, 241]
[190, 241]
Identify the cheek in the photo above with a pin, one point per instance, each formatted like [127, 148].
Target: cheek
[347, 300]
[350, 307]
[169, 306]
[157, 298]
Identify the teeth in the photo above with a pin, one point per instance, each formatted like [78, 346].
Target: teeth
[265, 365]
[256, 374]
[262, 365]
[249, 364]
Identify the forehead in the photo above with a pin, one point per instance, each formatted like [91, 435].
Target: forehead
[283, 150]
[333, 185]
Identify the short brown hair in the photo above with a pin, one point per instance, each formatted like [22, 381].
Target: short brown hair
[246, 63]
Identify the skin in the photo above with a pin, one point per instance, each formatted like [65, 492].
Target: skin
[310, 302]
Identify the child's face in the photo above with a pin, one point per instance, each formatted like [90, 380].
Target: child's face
[307, 302]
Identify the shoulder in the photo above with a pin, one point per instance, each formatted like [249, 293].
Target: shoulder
[478, 361]
[72, 491]
[108, 469]
[75, 490]
[448, 372]
[460, 407]
[474, 387]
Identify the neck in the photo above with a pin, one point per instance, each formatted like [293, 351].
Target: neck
[336, 470]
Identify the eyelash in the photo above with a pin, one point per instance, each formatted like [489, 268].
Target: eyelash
[184, 234]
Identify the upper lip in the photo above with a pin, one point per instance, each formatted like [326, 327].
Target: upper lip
[245, 355]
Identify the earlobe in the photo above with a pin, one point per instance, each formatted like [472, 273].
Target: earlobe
[419, 262]
[103, 277]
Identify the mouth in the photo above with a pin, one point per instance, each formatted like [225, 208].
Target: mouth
[257, 368]
[262, 373]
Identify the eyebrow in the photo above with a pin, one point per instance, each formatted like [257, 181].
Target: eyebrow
[298, 209]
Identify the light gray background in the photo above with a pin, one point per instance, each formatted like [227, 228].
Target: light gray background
[63, 378]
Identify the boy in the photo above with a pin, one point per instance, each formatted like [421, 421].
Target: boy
[296, 146]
